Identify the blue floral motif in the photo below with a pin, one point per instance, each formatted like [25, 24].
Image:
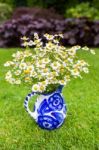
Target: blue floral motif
[55, 102]
[59, 116]
[51, 112]
[48, 122]
[44, 108]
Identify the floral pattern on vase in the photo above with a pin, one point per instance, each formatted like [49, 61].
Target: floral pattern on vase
[49, 110]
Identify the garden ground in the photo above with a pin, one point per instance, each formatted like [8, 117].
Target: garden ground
[80, 130]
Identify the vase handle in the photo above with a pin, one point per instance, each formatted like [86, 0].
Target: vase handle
[26, 103]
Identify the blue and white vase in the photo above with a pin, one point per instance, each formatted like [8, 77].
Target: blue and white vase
[49, 109]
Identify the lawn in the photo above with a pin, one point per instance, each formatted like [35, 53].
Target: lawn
[80, 130]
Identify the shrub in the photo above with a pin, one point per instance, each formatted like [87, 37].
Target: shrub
[26, 21]
[95, 3]
[9, 2]
[5, 11]
[20, 3]
[76, 31]
[58, 6]
[36, 12]
[83, 10]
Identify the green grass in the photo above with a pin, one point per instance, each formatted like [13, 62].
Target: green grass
[18, 131]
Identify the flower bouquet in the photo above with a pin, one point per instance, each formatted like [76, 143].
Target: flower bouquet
[46, 68]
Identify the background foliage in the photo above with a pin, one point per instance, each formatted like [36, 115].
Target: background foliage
[76, 31]
[83, 10]
[5, 11]
[60, 5]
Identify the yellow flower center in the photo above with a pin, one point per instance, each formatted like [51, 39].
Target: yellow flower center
[27, 78]
[26, 71]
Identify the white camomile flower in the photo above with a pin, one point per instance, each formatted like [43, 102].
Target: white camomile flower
[67, 78]
[44, 72]
[75, 72]
[61, 35]
[85, 48]
[22, 65]
[49, 37]
[33, 74]
[55, 65]
[64, 64]
[18, 55]
[45, 60]
[49, 47]
[42, 87]
[8, 63]
[52, 81]
[35, 88]
[62, 54]
[82, 63]
[56, 41]
[25, 44]
[85, 69]
[70, 60]
[14, 55]
[45, 83]
[31, 68]
[92, 52]
[31, 43]
[24, 38]
[27, 79]
[17, 81]
[55, 74]
[27, 53]
[11, 81]
[8, 75]
[72, 52]
[40, 64]
[62, 82]
[17, 72]
[77, 47]
[52, 76]
[37, 42]
[36, 36]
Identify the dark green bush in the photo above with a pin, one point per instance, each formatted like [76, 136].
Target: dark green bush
[5, 11]
[83, 10]
[9, 2]
[20, 3]
[32, 3]
[57, 5]
[95, 3]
